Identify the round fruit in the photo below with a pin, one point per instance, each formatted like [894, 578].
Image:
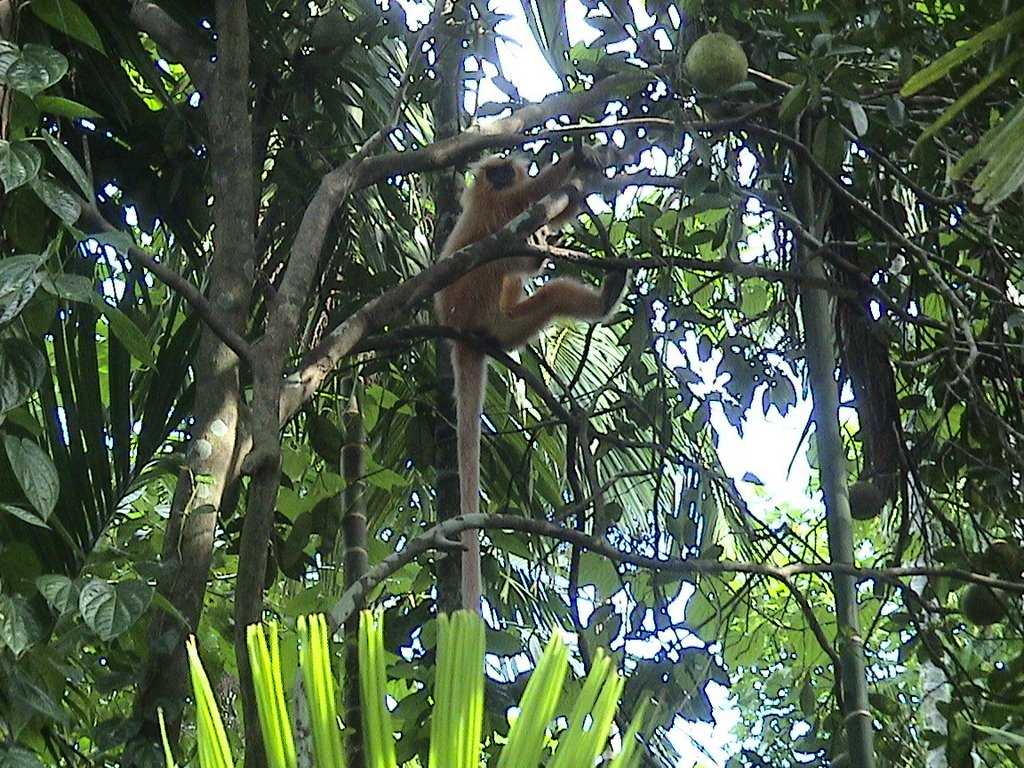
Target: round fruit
[982, 606]
[716, 62]
[866, 501]
[1005, 558]
[842, 760]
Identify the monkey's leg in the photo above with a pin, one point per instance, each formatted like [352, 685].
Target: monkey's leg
[470, 368]
[563, 297]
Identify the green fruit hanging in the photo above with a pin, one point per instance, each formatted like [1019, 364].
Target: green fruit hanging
[715, 63]
[866, 501]
[982, 606]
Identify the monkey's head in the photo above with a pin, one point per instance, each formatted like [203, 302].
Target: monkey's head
[501, 173]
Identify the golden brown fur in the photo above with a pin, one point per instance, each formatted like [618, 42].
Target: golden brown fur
[490, 300]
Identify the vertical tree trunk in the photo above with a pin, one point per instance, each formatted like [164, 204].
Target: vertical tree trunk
[447, 109]
[820, 343]
[353, 528]
[213, 451]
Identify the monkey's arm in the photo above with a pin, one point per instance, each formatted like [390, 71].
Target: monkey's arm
[511, 292]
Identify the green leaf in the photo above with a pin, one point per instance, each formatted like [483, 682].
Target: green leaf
[19, 164]
[35, 473]
[36, 69]
[24, 515]
[67, 17]
[71, 165]
[945, 64]
[71, 287]
[1010, 123]
[111, 609]
[829, 145]
[601, 572]
[18, 757]
[119, 241]
[793, 103]
[1000, 736]
[19, 279]
[22, 367]
[61, 107]
[19, 629]
[59, 591]
[126, 331]
[57, 200]
[958, 106]
[860, 117]
[9, 54]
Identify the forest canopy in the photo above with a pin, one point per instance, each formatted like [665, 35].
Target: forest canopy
[774, 499]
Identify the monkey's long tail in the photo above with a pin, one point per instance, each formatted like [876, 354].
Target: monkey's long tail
[470, 367]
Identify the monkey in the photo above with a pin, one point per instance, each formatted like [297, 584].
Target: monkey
[490, 301]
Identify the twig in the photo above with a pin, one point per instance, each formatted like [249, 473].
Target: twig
[92, 219]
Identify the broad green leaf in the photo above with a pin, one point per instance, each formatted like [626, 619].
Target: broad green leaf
[793, 103]
[22, 367]
[111, 609]
[18, 757]
[71, 287]
[19, 279]
[59, 591]
[66, 16]
[35, 473]
[36, 69]
[19, 164]
[57, 200]
[61, 107]
[71, 165]
[601, 572]
[829, 145]
[126, 331]
[945, 64]
[19, 629]
[24, 515]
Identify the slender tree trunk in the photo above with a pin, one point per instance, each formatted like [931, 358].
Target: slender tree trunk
[820, 343]
[213, 452]
[446, 110]
[354, 532]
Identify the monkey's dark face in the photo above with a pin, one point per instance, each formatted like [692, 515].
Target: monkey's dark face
[501, 175]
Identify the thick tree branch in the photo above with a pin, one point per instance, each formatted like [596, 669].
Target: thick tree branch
[175, 40]
[93, 221]
[444, 536]
[321, 361]
[502, 133]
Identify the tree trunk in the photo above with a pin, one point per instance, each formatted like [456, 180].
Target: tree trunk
[213, 452]
[447, 110]
[820, 342]
[354, 532]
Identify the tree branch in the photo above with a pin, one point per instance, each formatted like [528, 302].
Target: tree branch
[175, 40]
[321, 361]
[93, 220]
[502, 133]
[444, 536]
